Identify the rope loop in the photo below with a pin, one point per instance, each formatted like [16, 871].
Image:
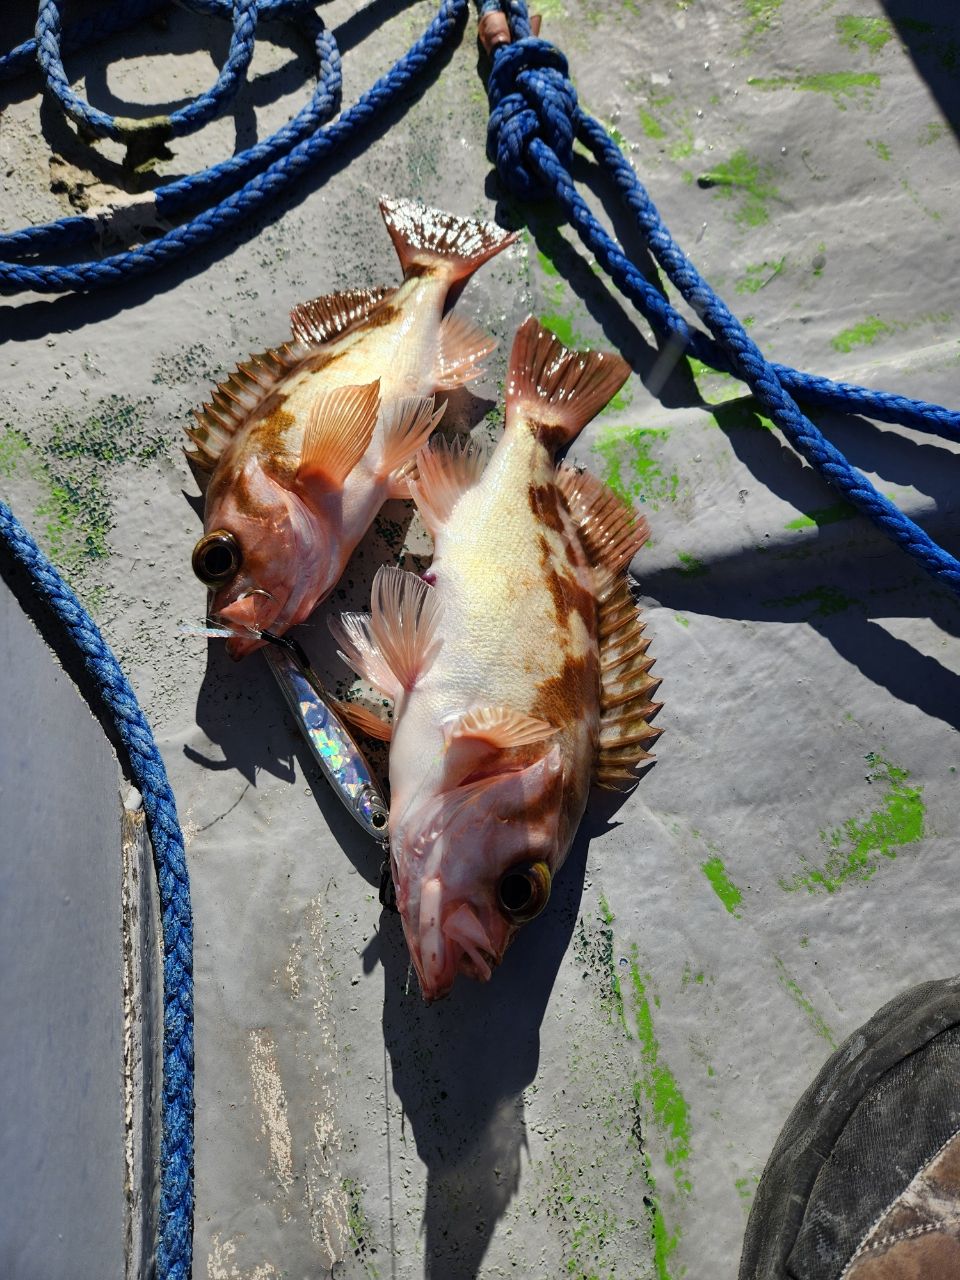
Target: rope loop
[531, 96]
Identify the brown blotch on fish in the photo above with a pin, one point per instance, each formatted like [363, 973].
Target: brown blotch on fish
[545, 504]
[562, 698]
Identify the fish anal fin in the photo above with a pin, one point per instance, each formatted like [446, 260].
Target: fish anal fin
[611, 532]
[339, 429]
[408, 424]
[330, 315]
[432, 239]
[625, 692]
[463, 346]
[500, 727]
[556, 391]
[363, 719]
[445, 472]
[403, 623]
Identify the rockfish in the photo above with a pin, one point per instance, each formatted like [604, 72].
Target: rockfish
[303, 444]
[517, 667]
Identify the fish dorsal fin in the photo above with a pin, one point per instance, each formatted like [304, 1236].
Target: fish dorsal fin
[339, 429]
[501, 727]
[331, 314]
[446, 472]
[364, 719]
[611, 531]
[234, 400]
[408, 424]
[463, 346]
[626, 689]
[554, 391]
[430, 238]
[396, 642]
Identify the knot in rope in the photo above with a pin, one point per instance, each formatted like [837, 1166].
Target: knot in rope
[530, 97]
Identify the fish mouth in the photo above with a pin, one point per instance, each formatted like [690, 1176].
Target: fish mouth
[247, 617]
[461, 946]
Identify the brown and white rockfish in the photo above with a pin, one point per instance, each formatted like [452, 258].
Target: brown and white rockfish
[517, 667]
[303, 444]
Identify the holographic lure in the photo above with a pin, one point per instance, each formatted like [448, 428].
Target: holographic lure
[343, 763]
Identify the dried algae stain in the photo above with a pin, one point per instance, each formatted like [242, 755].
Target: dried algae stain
[630, 449]
[722, 885]
[805, 1005]
[855, 848]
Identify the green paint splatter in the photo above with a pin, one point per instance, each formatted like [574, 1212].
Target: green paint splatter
[881, 148]
[856, 847]
[917, 199]
[722, 885]
[800, 1000]
[823, 516]
[684, 622]
[651, 125]
[758, 276]
[748, 182]
[932, 133]
[745, 1189]
[740, 414]
[871, 33]
[864, 334]
[631, 448]
[761, 13]
[840, 85]
[562, 326]
[692, 567]
[829, 600]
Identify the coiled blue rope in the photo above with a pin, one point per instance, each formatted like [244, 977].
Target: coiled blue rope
[174, 1245]
[266, 171]
[534, 120]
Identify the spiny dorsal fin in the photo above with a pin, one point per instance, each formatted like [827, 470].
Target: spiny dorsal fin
[555, 391]
[396, 642]
[428, 238]
[611, 531]
[463, 346]
[338, 434]
[626, 687]
[331, 314]
[446, 472]
[499, 726]
[235, 399]
[408, 424]
[364, 719]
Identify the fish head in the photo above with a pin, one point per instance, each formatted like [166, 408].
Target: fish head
[254, 558]
[473, 860]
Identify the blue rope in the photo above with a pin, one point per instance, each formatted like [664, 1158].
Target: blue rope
[534, 120]
[174, 1246]
[266, 171]
[186, 120]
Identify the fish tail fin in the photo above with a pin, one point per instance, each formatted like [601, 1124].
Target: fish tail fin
[430, 238]
[556, 392]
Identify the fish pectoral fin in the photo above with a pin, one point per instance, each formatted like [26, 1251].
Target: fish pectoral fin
[463, 346]
[431, 238]
[408, 424]
[610, 530]
[360, 651]
[326, 317]
[362, 718]
[403, 622]
[501, 727]
[554, 391]
[445, 472]
[339, 429]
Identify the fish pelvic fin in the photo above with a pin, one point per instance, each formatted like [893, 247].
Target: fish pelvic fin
[332, 314]
[445, 472]
[408, 423]
[338, 434]
[610, 530]
[500, 727]
[362, 718]
[556, 392]
[626, 691]
[463, 346]
[234, 401]
[396, 642]
[431, 239]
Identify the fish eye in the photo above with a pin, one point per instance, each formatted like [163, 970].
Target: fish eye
[524, 891]
[216, 557]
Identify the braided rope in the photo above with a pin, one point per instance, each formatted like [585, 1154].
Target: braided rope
[534, 119]
[174, 1245]
[186, 120]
